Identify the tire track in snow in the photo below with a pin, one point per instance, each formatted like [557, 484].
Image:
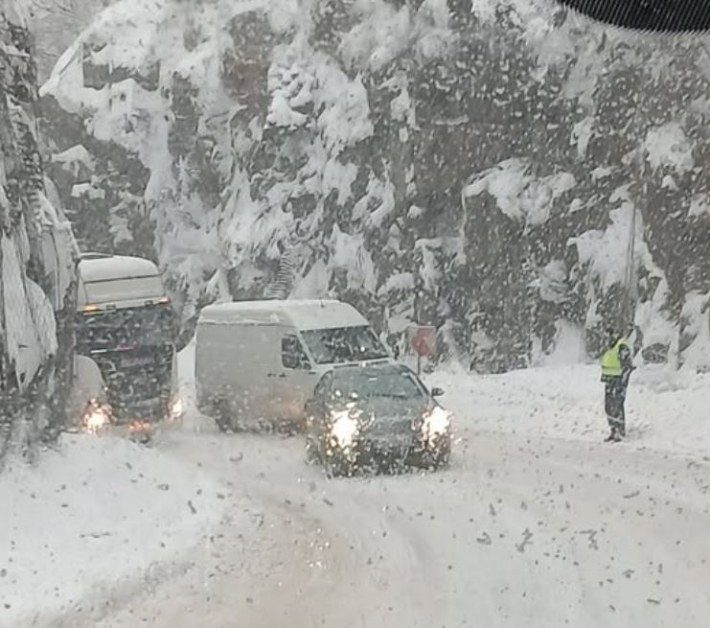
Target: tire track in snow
[592, 559]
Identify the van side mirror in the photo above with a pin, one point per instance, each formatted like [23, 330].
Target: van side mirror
[437, 392]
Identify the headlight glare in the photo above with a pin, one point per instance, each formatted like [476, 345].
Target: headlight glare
[177, 408]
[96, 417]
[435, 423]
[344, 426]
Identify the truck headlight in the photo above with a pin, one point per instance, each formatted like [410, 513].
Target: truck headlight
[96, 417]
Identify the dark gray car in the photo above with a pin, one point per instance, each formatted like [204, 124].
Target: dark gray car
[375, 416]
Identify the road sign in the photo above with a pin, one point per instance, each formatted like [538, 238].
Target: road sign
[422, 340]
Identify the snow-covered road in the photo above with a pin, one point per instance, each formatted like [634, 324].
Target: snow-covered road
[522, 530]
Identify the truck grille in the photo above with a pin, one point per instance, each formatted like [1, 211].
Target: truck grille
[136, 376]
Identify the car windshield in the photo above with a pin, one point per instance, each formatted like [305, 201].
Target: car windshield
[135, 326]
[367, 385]
[344, 344]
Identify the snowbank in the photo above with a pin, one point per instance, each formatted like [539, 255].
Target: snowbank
[192, 420]
[666, 410]
[98, 513]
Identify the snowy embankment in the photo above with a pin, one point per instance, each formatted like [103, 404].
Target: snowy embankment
[665, 410]
[97, 516]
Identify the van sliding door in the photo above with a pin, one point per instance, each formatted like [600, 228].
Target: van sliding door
[298, 379]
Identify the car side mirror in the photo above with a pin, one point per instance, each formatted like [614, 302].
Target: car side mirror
[437, 392]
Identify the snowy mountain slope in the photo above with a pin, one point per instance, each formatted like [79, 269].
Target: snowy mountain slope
[503, 170]
[36, 257]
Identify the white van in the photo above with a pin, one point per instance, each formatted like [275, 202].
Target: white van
[259, 361]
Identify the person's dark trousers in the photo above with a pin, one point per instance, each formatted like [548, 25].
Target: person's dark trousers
[614, 399]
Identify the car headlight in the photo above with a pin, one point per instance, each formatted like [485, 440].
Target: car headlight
[436, 422]
[344, 429]
[344, 426]
[96, 417]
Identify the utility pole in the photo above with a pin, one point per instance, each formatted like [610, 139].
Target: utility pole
[418, 317]
[631, 275]
[630, 271]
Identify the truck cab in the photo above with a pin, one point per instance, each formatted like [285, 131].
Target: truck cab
[126, 326]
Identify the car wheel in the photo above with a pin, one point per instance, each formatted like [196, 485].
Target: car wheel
[336, 468]
[312, 453]
[442, 457]
[433, 460]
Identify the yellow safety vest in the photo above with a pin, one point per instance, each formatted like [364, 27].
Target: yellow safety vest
[611, 362]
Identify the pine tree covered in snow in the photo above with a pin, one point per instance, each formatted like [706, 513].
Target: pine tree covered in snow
[507, 171]
[36, 259]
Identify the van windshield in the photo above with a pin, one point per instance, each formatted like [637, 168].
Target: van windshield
[344, 344]
[141, 326]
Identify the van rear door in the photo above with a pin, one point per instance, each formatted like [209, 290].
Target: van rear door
[235, 368]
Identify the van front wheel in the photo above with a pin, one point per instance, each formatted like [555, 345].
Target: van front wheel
[222, 416]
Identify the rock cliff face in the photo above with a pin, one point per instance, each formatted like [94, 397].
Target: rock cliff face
[504, 170]
[36, 258]
[54, 25]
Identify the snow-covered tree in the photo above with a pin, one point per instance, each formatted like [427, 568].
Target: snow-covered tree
[36, 259]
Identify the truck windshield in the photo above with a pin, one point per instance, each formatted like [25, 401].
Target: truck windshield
[144, 326]
[344, 344]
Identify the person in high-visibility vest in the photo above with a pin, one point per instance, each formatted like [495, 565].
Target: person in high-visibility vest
[616, 366]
